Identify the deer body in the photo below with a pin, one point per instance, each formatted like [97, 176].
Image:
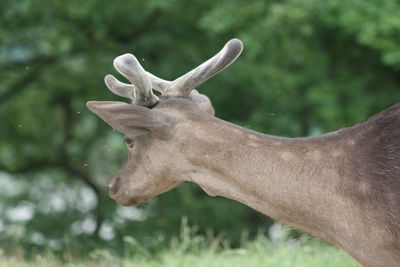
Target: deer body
[342, 186]
[309, 183]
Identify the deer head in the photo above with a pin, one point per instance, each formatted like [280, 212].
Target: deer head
[156, 140]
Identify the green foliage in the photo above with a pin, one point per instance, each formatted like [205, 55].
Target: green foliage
[308, 67]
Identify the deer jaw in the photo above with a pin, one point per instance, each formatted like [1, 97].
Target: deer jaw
[145, 174]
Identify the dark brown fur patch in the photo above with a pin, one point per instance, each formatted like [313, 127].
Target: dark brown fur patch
[371, 172]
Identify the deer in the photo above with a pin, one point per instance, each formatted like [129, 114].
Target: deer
[342, 186]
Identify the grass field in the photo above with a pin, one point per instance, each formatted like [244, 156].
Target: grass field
[194, 250]
[256, 253]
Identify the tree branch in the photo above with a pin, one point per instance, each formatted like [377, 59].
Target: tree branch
[84, 177]
[34, 166]
[31, 166]
[21, 84]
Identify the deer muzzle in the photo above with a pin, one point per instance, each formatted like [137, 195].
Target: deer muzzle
[113, 187]
[115, 192]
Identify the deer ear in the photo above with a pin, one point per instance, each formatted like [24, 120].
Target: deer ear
[132, 119]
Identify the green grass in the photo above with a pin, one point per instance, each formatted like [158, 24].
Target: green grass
[191, 249]
[253, 254]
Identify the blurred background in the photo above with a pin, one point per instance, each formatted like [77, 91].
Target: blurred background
[308, 67]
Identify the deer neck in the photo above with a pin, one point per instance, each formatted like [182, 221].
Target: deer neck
[290, 180]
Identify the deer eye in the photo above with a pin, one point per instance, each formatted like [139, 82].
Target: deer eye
[128, 141]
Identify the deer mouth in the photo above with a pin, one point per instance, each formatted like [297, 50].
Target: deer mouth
[123, 200]
[115, 192]
[127, 201]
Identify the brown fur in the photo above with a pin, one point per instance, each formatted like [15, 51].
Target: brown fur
[373, 174]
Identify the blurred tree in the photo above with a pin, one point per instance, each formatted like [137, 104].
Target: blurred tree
[308, 67]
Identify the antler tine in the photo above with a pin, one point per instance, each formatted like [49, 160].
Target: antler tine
[184, 84]
[131, 69]
[119, 88]
[157, 83]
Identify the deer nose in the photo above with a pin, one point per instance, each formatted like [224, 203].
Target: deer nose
[113, 187]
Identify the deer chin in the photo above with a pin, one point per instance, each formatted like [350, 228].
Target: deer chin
[124, 200]
[122, 197]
